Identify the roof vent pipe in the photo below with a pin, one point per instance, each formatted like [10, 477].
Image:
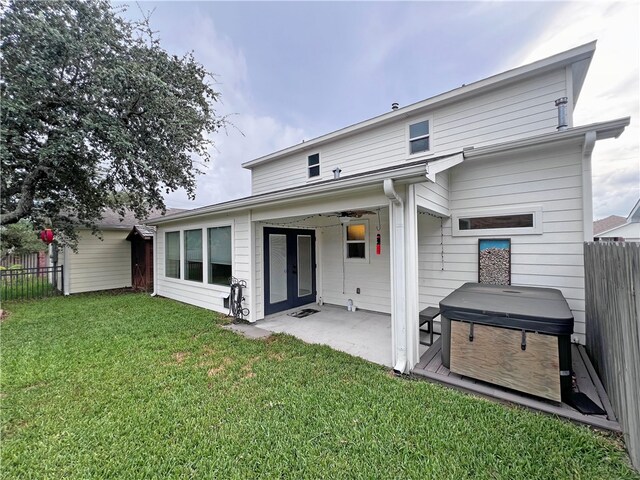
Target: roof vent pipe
[394, 106]
[561, 103]
[336, 173]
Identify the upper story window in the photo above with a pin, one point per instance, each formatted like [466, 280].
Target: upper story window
[219, 255]
[419, 137]
[172, 254]
[313, 162]
[193, 255]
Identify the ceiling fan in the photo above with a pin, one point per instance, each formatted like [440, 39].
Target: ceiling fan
[351, 213]
[347, 215]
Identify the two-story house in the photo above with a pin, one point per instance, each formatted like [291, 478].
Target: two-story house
[389, 212]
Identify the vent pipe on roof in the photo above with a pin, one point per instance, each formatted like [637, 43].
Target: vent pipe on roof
[561, 103]
[336, 173]
[394, 106]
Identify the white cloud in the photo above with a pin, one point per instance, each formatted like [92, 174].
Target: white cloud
[611, 90]
[251, 135]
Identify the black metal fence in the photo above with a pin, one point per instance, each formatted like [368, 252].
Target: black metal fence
[28, 283]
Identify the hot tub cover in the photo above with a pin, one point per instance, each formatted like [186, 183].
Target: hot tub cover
[542, 310]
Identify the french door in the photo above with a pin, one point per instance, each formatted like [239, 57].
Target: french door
[289, 268]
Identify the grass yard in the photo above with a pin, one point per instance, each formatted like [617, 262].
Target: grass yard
[128, 386]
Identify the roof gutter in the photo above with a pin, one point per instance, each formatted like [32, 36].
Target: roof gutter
[410, 174]
[603, 130]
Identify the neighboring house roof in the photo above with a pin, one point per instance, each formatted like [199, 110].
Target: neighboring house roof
[404, 172]
[112, 220]
[604, 224]
[614, 224]
[579, 58]
[634, 215]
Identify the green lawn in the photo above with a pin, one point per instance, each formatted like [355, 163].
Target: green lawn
[128, 386]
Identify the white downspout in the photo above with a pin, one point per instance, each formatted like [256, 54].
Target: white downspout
[587, 194]
[155, 264]
[398, 290]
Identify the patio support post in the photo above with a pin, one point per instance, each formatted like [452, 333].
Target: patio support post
[398, 277]
[412, 299]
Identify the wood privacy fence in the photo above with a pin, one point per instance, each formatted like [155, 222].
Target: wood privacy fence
[30, 260]
[612, 290]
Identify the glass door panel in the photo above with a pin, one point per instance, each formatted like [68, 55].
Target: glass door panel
[277, 268]
[305, 270]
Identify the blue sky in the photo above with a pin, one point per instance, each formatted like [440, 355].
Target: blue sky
[290, 71]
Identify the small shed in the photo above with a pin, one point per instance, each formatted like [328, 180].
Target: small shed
[141, 238]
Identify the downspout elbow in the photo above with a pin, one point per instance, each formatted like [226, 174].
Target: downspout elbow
[390, 191]
[401, 365]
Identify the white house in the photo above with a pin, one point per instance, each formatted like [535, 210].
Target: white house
[628, 229]
[429, 180]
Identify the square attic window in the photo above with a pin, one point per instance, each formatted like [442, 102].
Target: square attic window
[313, 162]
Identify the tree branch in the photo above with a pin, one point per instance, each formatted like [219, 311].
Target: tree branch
[27, 194]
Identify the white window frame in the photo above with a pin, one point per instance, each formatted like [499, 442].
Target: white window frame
[309, 167]
[205, 274]
[184, 247]
[408, 138]
[180, 265]
[536, 210]
[356, 221]
[206, 252]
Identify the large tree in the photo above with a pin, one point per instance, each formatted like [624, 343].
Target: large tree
[95, 114]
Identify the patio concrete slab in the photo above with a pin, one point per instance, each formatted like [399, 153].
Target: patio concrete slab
[361, 333]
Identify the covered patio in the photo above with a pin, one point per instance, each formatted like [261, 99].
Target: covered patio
[362, 333]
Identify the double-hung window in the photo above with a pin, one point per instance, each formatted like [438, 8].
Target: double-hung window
[356, 245]
[313, 162]
[193, 255]
[419, 137]
[172, 254]
[219, 255]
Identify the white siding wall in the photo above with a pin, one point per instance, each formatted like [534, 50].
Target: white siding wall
[434, 196]
[372, 277]
[519, 110]
[550, 178]
[99, 265]
[203, 294]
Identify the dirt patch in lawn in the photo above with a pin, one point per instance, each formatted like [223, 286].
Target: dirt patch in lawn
[247, 370]
[226, 361]
[180, 357]
[277, 356]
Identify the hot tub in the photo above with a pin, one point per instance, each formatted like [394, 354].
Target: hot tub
[516, 337]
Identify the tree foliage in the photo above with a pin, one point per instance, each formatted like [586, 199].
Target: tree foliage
[95, 114]
[20, 238]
